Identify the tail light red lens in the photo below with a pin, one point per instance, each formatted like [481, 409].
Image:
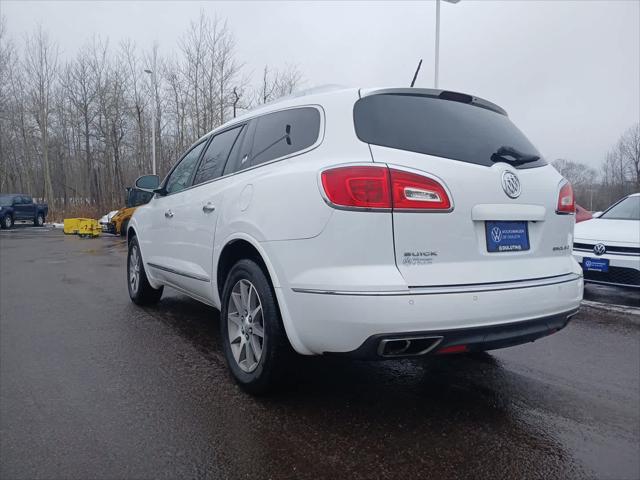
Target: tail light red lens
[566, 200]
[379, 187]
[359, 187]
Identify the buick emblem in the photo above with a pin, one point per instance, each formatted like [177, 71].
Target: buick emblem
[599, 249]
[510, 184]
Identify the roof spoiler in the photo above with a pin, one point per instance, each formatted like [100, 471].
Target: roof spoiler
[435, 93]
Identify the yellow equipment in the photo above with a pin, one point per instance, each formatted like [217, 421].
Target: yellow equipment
[85, 227]
[89, 228]
[120, 221]
[72, 225]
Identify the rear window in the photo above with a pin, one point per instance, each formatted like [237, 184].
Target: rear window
[284, 133]
[444, 128]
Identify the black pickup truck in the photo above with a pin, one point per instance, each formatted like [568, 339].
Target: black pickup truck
[16, 206]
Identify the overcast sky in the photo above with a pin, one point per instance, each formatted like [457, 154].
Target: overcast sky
[568, 72]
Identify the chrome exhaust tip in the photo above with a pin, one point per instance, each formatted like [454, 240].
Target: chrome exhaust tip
[407, 346]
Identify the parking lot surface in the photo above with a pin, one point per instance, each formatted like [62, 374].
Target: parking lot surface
[92, 386]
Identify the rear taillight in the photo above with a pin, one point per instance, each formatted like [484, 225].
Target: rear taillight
[357, 186]
[566, 200]
[417, 192]
[380, 187]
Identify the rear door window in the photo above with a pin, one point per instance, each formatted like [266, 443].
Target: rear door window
[215, 157]
[444, 128]
[284, 133]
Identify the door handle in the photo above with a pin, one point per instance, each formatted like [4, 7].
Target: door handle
[168, 214]
[208, 208]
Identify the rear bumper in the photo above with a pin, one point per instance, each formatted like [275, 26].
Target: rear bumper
[475, 339]
[343, 322]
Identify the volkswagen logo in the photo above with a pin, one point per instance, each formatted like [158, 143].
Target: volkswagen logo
[510, 184]
[599, 249]
[496, 234]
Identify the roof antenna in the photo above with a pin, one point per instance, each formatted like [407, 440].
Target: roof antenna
[415, 75]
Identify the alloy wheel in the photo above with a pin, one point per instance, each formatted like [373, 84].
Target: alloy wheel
[134, 269]
[245, 325]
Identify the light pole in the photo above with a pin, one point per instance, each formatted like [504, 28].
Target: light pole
[153, 116]
[437, 66]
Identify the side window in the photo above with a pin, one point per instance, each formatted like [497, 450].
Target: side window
[216, 155]
[17, 200]
[27, 200]
[239, 156]
[283, 133]
[181, 175]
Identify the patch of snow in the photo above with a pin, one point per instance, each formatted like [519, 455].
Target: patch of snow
[612, 308]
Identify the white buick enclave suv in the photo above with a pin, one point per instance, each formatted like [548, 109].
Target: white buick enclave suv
[370, 223]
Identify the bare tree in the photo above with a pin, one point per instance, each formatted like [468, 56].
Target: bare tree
[41, 64]
[137, 102]
[192, 46]
[77, 130]
[579, 174]
[81, 88]
[7, 60]
[276, 84]
[629, 147]
[583, 179]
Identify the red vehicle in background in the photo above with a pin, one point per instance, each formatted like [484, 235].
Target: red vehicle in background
[582, 214]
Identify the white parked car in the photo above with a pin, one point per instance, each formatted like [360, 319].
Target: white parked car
[608, 247]
[370, 223]
[105, 220]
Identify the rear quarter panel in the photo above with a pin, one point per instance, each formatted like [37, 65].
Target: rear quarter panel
[282, 200]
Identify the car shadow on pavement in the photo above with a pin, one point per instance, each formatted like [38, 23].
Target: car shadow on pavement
[439, 408]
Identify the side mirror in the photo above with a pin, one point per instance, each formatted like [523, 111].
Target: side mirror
[596, 214]
[148, 183]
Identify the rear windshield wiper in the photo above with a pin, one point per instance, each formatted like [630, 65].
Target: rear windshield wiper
[513, 156]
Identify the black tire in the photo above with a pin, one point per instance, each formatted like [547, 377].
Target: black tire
[39, 220]
[7, 222]
[141, 291]
[275, 351]
[123, 228]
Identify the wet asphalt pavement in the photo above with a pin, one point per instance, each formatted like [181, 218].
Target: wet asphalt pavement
[92, 386]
